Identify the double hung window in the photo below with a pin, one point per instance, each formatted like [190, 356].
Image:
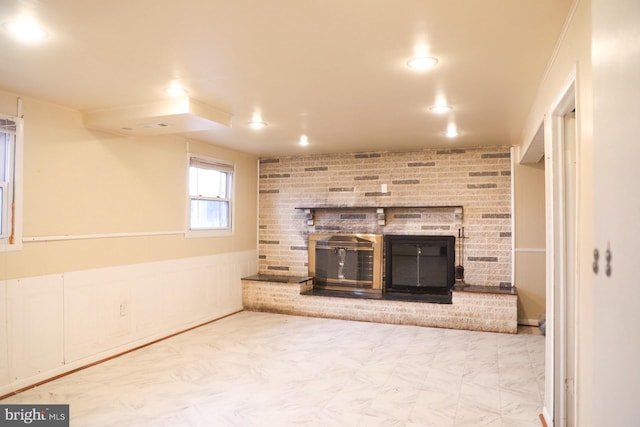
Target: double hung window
[9, 139]
[210, 194]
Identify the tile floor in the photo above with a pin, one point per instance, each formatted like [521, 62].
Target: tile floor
[259, 369]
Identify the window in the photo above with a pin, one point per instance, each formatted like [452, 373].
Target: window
[10, 138]
[210, 194]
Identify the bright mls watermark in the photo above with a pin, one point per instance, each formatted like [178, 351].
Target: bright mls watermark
[34, 415]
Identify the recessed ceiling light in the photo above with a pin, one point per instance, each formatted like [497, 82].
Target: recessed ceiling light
[452, 131]
[440, 109]
[175, 89]
[422, 63]
[26, 30]
[257, 125]
[304, 140]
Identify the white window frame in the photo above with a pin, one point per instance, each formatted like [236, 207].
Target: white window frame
[5, 211]
[223, 166]
[12, 191]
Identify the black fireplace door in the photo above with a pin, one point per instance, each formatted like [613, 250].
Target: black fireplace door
[419, 263]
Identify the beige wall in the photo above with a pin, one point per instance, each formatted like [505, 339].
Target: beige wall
[529, 218]
[573, 55]
[79, 182]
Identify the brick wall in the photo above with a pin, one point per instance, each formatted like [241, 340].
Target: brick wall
[478, 179]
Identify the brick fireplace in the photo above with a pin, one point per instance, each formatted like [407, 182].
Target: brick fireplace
[424, 191]
[431, 192]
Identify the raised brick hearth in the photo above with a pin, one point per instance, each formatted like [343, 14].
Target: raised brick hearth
[488, 309]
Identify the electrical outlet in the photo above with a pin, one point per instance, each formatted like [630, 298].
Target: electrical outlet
[383, 188]
[123, 309]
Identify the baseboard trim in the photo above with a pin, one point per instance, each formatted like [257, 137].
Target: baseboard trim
[528, 322]
[544, 423]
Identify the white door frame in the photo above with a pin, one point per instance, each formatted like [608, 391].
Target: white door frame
[561, 274]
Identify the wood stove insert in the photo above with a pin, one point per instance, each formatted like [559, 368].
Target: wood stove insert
[346, 262]
[419, 264]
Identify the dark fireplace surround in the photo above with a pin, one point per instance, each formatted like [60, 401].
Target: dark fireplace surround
[412, 267]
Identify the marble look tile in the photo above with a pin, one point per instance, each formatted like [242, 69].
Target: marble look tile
[511, 422]
[448, 379]
[394, 402]
[520, 381]
[520, 406]
[434, 407]
[258, 369]
[342, 419]
[478, 404]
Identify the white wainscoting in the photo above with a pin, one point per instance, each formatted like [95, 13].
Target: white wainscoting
[34, 324]
[53, 324]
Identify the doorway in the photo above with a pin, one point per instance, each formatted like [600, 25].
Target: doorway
[562, 258]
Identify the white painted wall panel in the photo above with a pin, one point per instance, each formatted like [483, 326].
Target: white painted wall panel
[211, 279]
[148, 295]
[115, 312]
[92, 311]
[233, 295]
[81, 316]
[185, 294]
[35, 325]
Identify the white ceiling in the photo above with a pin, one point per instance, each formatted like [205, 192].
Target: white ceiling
[331, 69]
